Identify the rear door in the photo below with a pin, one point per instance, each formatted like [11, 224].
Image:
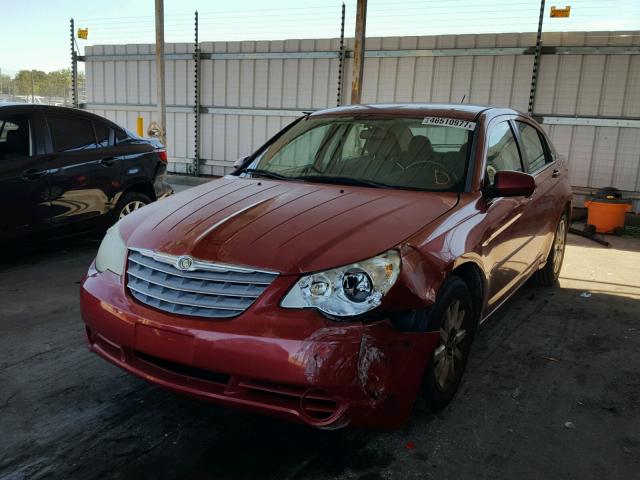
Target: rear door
[541, 164]
[23, 179]
[82, 170]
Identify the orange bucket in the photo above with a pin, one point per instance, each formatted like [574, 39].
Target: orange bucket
[606, 216]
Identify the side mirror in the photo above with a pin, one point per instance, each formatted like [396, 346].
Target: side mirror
[238, 163]
[513, 184]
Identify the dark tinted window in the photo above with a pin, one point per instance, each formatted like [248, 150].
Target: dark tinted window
[70, 133]
[15, 137]
[102, 134]
[532, 146]
[121, 136]
[503, 151]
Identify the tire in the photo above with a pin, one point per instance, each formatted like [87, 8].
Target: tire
[128, 203]
[618, 231]
[453, 316]
[548, 275]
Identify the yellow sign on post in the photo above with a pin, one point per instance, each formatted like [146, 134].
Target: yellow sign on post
[83, 33]
[560, 12]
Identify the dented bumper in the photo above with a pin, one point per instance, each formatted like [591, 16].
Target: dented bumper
[294, 365]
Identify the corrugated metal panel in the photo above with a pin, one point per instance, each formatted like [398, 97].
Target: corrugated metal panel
[569, 84]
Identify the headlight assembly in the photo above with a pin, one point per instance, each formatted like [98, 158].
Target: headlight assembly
[112, 253]
[346, 291]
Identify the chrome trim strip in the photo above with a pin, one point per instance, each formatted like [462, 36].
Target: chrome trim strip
[197, 263]
[194, 275]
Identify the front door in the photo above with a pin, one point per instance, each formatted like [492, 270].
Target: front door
[509, 242]
[23, 180]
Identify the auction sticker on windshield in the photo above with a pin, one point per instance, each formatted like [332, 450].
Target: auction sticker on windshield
[449, 122]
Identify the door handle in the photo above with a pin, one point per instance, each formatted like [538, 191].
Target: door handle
[108, 161]
[556, 173]
[33, 174]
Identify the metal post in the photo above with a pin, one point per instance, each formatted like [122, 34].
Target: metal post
[536, 59]
[196, 108]
[74, 68]
[358, 52]
[32, 93]
[161, 100]
[341, 60]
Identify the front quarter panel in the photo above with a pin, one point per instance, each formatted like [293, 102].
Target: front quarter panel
[430, 255]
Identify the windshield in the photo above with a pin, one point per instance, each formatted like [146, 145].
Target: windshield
[410, 153]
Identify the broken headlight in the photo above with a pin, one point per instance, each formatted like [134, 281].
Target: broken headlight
[346, 291]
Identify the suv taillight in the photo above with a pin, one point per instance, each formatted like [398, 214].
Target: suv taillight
[163, 155]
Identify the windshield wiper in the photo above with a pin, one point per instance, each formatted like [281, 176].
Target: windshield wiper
[342, 181]
[265, 173]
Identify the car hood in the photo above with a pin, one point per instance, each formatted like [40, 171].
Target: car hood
[288, 227]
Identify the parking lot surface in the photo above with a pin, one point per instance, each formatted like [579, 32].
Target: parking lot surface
[552, 391]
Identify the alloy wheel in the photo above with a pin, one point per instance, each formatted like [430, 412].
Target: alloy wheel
[448, 356]
[130, 207]
[558, 246]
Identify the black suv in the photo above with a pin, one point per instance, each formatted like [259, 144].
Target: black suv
[65, 171]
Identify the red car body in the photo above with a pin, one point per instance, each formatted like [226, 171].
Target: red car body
[299, 364]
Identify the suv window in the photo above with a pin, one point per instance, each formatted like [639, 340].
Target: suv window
[102, 134]
[532, 145]
[15, 137]
[503, 153]
[69, 133]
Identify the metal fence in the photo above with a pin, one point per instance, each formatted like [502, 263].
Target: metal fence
[586, 87]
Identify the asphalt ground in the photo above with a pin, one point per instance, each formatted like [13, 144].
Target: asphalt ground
[552, 391]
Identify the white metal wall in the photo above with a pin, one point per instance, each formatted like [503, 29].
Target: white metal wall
[249, 99]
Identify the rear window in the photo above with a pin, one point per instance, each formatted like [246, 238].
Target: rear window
[15, 137]
[69, 133]
[103, 133]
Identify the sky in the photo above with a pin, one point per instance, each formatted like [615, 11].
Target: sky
[35, 33]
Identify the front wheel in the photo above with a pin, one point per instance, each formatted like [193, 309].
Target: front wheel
[453, 314]
[549, 274]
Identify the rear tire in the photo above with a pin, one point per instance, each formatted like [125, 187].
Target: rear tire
[548, 275]
[129, 202]
[454, 318]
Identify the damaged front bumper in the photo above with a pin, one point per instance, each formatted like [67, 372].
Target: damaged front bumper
[294, 365]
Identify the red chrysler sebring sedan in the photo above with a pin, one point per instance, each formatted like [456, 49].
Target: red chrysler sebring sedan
[341, 272]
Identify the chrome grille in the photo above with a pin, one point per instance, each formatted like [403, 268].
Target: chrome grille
[205, 289]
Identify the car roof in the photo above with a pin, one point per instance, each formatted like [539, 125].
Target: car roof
[31, 107]
[455, 110]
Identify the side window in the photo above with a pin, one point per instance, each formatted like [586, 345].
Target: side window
[15, 137]
[301, 151]
[503, 151]
[102, 134]
[69, 133]
[121, 136]
[532, 146]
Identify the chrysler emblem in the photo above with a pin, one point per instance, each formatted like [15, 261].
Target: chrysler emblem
[184, 263]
